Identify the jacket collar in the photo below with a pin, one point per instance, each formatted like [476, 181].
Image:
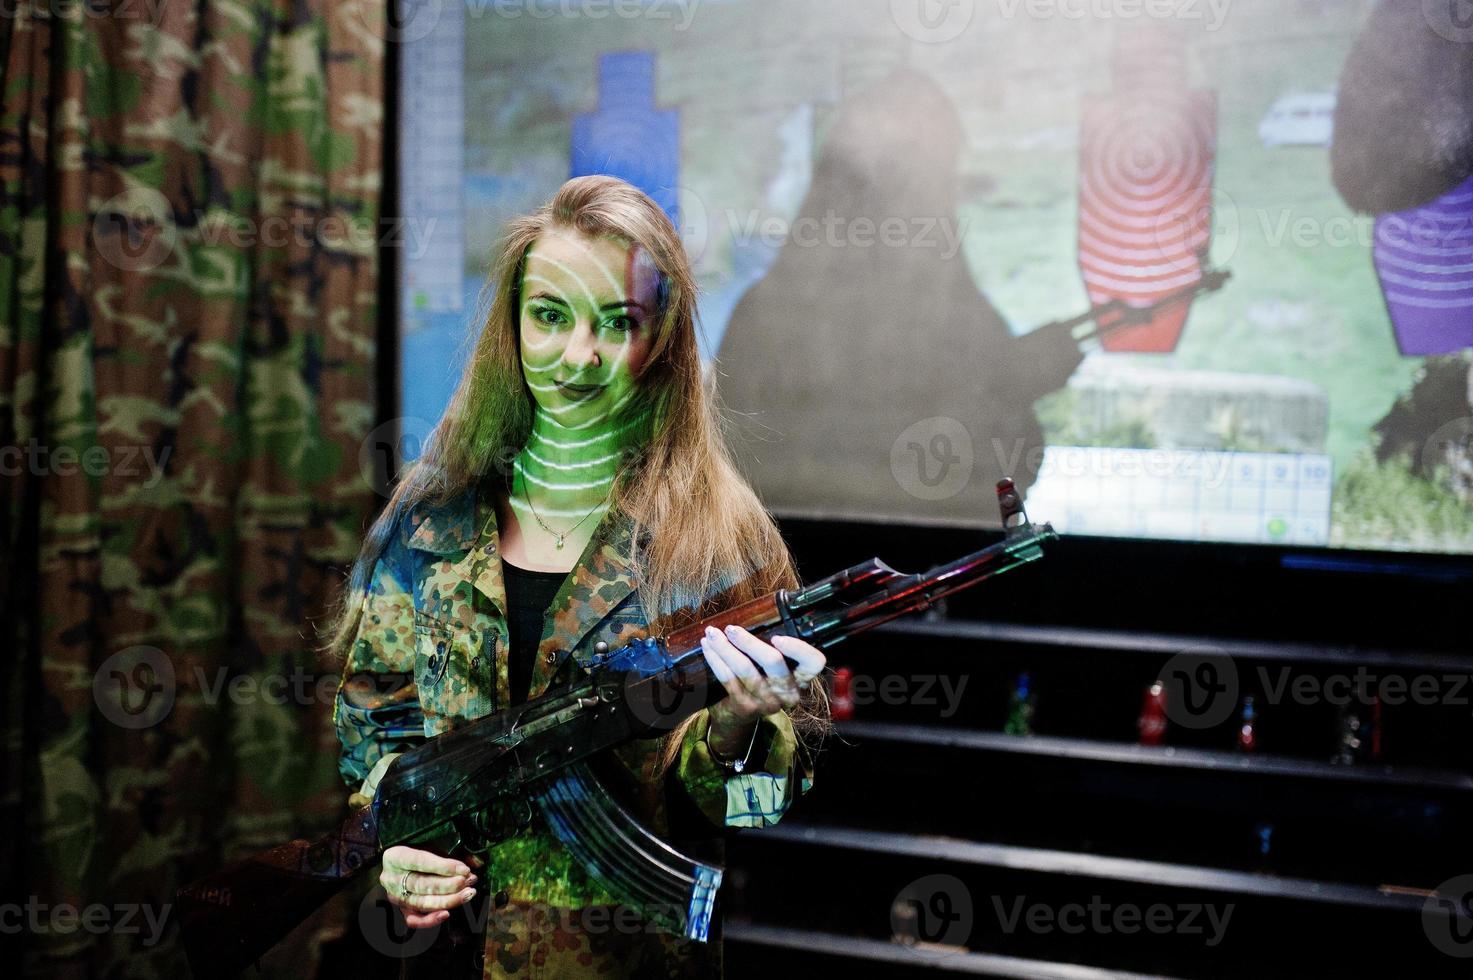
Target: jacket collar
[443, 528]
[603, 577]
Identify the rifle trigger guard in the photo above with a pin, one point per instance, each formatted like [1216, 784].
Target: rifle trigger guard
[507, 819]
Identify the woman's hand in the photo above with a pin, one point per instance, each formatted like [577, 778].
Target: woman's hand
[756, 677]
[425, 886]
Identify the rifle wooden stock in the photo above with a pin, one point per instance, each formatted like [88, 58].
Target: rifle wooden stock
[228, 919]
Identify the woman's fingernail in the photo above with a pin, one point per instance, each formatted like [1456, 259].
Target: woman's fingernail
[711, 631]
[732, 630]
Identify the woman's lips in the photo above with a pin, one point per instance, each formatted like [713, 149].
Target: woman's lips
[578, 391]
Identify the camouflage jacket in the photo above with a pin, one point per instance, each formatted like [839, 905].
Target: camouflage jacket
[436, 610]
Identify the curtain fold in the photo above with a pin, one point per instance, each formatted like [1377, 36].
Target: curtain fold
[189, 226]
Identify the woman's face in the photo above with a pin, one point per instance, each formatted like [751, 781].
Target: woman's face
[588, 308]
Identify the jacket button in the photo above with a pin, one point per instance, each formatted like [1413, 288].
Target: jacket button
[502, 898]
[552, 657]
[600, 647]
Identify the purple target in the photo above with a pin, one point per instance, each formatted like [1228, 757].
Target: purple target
[1424, 258]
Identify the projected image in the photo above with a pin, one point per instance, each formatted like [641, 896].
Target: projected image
[1203, 278]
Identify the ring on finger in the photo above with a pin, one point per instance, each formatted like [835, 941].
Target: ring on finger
[404, 884]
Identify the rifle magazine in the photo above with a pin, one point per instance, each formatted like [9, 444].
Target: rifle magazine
[669, 888]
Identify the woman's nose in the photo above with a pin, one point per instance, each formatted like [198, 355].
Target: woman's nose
[582, 350]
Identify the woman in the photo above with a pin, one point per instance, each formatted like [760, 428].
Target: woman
[581, 426]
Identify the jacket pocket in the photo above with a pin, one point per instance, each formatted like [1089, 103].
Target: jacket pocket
[454, 669]
[434, 644]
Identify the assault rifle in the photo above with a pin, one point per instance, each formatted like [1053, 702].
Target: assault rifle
[538, 753]
[1116, 314]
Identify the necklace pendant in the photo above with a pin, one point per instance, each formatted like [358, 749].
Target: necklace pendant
[559, 540]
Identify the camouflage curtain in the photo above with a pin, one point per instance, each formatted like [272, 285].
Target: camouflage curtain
[188, 285]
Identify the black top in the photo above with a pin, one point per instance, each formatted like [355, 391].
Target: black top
[528, 594]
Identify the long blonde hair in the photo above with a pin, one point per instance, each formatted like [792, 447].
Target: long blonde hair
[711, 544]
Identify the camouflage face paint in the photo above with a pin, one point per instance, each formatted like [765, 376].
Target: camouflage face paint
[588, 310]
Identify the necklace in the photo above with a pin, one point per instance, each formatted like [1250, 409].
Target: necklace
[559, 535]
